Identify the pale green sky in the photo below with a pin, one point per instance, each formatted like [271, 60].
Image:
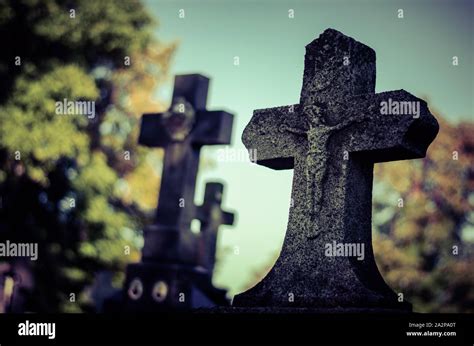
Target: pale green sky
[414, 53]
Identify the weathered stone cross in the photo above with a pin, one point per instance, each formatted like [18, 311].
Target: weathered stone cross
[332, 139]
[181, 131]
[176, 267]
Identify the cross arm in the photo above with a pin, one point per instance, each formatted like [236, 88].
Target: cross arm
[227, 218]
[285, 127]
[402, 131]
[211, 207]
[265, 133]
[213, 127]
[152, 131]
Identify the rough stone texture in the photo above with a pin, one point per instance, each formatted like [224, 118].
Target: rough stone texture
[338, 114]
[175, 260]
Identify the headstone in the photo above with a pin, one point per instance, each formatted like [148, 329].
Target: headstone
[172, 273]
[332, 139]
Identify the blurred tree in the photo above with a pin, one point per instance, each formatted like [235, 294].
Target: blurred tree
[424, 218]
[74, 185]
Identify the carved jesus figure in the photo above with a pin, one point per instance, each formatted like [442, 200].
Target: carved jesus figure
[318, 135]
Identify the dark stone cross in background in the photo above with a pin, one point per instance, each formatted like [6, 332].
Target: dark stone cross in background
[177, 264]
[332, 139]
[211, 217]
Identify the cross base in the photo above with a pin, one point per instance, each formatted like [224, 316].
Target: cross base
[288, 310]
[375, 303]
[151, 287]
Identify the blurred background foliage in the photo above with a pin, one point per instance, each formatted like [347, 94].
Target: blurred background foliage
[83, 189]
[423, 216]
[79, 187]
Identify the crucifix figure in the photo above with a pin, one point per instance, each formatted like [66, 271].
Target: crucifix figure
[317, 136]
[332, 139]
[172, 270]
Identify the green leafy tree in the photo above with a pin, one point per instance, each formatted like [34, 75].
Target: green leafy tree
[72, 183]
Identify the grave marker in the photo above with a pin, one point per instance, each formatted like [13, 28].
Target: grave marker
[332, 139]
[171, 274]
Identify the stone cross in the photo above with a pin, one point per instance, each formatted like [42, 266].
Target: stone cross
[332, 139]
[212, 216]
[175, 269]
[181, 132]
